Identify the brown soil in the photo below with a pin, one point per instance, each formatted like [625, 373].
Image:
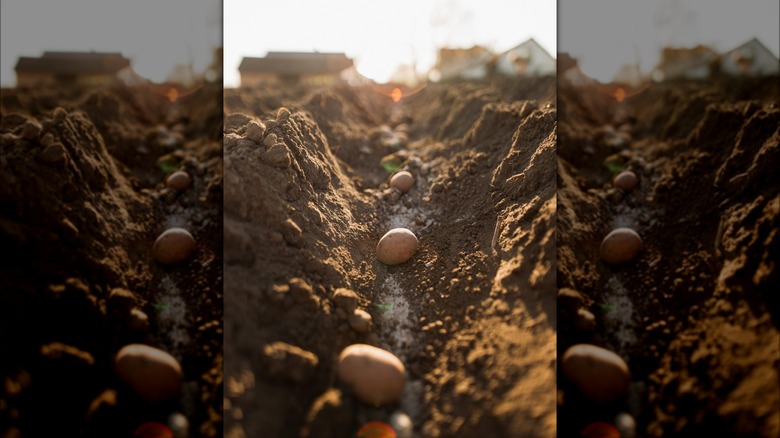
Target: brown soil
[696, 314]
[474, 325]
[82, 199]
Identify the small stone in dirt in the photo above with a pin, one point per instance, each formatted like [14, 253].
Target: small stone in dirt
[570, 298]
[173, 246]
[255, 131]
[289, 362]
[584, 320]
[121, 299]
[138, 320]
[620, 246]
[179, 424]
[396, 246]
[625, 180]
[282, 114]
[401, 424]
[626, 425]
[376, 376]
[151, 373]
[179, 180]
[278, 156]
[47, 139]
[292, 233]
[598, 373]
[59, 113]
[360, 321]
[403, 181]
[31, 130]
[270, 140]
[300, 290]
[345, 299]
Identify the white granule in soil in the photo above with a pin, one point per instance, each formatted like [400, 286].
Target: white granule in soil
[397, 318]
[172, 317]
[619, 314]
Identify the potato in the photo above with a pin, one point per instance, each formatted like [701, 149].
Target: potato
[403, 181]
[173, 246]
[599, 374]
[396, 246]
[625, 180]
[620, 246]
[376, 376]
[179, 180]
[151, 373]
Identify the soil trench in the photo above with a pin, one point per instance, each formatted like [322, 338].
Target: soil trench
[82, 199]
[471, 315]
[692, 314]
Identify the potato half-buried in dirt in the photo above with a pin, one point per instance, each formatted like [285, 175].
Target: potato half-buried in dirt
[600, 374]
[150, 372]
[173, 246]
[403, 181]
[376, 376]
[397, 246]
[620, 246]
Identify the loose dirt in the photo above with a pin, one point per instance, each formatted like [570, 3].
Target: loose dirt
[696, 314]
[472, 315]
[82, 200]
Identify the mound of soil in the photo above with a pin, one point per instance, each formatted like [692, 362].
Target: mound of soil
[472, 315]
[695, 315]
[82, 200]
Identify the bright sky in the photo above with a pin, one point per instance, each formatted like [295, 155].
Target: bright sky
[381, 34]
[605, 34]
[154, 34]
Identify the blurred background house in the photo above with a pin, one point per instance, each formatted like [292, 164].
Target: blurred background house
[526, 59]
[304, 67]
[749, 59]
[74, 68]
[685, 63]
[452, 64]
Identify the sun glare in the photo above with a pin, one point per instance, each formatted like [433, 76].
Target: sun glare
[396, 95]
[378, 68]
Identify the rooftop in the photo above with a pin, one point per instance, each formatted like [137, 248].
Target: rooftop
[295, 63]
[73, 63]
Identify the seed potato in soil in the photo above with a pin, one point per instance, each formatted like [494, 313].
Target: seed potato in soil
[471, 315]
[83, 196]
[695, 313]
